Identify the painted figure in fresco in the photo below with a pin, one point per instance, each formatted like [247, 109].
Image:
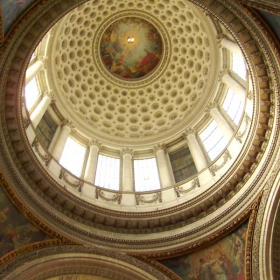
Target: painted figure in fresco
[12, 9]
[237, 249]
[218, 271]
[227, 265]
[205, 272]
[131, 60]
[215, 268]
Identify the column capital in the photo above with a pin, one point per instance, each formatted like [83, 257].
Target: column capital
[160, 146]
[222, 73]
[94, 142]
[45, 62]
[189, 131]
[66, 122]
[220, 37]
[210, 106]
[50, 94]
[127, 151]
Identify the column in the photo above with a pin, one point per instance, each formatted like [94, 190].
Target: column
[222, 123]
[92, 161]
[231, 46]
[40, 110]
[239, 90]
[196, 152]
[61, 141]
[163, 168]
[33, 70]
[127, 171]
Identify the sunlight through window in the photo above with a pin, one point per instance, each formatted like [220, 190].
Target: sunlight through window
[108, 173]
[146, 175]
[31, 93]
[239, 66]
[73, 157]
[213, 140]
[233, 106]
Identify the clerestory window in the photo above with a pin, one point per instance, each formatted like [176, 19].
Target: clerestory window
[73, 156]
[213, 140]
[233, 106]
[146, 177]
[108, 172]
[239, 66]
[31, 93]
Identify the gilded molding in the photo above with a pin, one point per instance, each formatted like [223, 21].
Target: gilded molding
[82, 259]
[9, 82]
[250, 213]
[256, 239]
[30, 248]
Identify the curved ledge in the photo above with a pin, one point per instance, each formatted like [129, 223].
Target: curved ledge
[178, 225]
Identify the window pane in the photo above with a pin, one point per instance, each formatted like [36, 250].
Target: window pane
[73, 156]
[45, 130]
[233, 106]
[213, 140]
[108, 173]
[182, 164]
[239, 66]
[31, 93]
[146, 175]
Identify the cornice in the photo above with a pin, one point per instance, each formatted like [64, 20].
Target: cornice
[54, 206]
[29, 215]
[265, 5]
[68, 259]
[258, 244]
[150, 259]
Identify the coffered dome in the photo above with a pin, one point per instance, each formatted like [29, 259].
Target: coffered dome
[133, 93]
[121, 92]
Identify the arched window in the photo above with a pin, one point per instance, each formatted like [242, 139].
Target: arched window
[108, 172]
[213, 140]
[73, 156]
[146, 176]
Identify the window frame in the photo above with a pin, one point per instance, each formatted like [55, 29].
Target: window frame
[135, 176]
[67, 157]
[100, 155]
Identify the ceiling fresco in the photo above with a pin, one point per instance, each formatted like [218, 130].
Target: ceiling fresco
[131, 48]
[11, 10]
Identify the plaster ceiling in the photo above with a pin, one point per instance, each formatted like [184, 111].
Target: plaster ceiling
[152, 106]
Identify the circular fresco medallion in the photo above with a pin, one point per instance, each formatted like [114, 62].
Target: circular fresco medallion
[131, 48]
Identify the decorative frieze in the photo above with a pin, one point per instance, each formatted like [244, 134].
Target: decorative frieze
[76, 184]
[179, 190]
[141, 199]
[214, 168]
[115, 198]
[241, 134]
[45, 157]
